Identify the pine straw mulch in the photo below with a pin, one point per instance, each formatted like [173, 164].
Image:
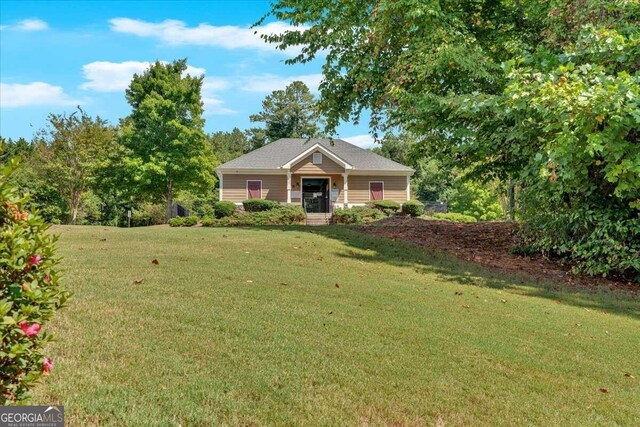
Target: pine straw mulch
[488, 244]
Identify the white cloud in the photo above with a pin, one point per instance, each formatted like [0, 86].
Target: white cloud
[33, 94]
[176, 32]
[266, 83]
[362, 141]
[33, 24]
[215, 106]
[104, 76]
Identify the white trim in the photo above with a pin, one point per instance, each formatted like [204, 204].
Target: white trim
[303, 177]
[380, 182]
[252, 171]
[221, 187]
[345, 189]
[247, 186]
[381, 172]
[289, 187]
[408, 188]
[311, 150]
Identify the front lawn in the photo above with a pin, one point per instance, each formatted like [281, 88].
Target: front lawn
[325, 326]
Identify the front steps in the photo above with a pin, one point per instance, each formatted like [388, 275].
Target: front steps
[318, 219]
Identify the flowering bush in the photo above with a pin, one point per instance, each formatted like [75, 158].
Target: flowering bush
[30, 293]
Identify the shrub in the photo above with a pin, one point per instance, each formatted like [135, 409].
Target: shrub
[357, 214]
[282, 215]
[454, 217]
[413, 208]
[30, 294]
[223, 209]
[259, 205]
[190, 221]
[207, 221]
[184, 221]
[176, 222]
[148, 214]
[600, 239]
[206, 211]
[386, 205]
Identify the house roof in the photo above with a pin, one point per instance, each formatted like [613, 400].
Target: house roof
[279, 154]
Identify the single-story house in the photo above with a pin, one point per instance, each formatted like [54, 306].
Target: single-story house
[319, 173]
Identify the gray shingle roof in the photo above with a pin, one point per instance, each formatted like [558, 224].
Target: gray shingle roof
[280, 152]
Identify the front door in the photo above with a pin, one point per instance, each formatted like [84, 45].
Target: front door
[315, 194]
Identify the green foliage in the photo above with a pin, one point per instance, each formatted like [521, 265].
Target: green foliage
[30, 293]
[386, 205]
[75, 148]
[167, 148]
[256, 205]
[208, 221]
[177, 221]
[413, 208]
[183, 221]
[147, 214]
[224, 208]
[288, 113]
[454, 217]
[472, 199]
[229, 145]
[357, 215]
[600, 240]
[280, 215]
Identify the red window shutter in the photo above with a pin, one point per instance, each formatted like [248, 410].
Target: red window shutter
[254, 188]
[377, 190]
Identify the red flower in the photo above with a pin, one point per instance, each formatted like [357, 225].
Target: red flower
[47, 366]
[29, 330]
[35, 259]
[47, 278]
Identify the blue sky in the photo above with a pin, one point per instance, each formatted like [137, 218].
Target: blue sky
[55, 55]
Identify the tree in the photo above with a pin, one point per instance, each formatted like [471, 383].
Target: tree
[73, 148]
[288, 113]
[229, 145]
[540, 93]
[164, 134]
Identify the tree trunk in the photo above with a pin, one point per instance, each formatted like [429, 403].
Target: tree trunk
[512, 200]
[169, 198]
[74, 206]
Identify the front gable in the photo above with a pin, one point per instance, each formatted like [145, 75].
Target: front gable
[326, 166]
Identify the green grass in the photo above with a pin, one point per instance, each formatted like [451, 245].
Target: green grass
[247, 327]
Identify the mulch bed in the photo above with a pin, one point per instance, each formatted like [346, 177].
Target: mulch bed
[488, 244]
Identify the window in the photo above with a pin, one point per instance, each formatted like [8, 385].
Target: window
[376, 190]
[317, 158]
[254, 189]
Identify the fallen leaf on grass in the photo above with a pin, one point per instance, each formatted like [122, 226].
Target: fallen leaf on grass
[249, 281]
[138, 281]
[604, 390]
[628, 375]
[103, 240]
[337, 286]
[331, 312]
[284, 283]
[155, 261]
[504, 301]
[465, 306]
[458, 293]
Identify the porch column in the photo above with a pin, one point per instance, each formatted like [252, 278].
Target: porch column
[221, 187]
[345, 189]
[408, 188]
[289, 187]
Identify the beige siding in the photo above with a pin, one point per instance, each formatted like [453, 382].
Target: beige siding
[234, 187]
[395, 188]
[306, 166]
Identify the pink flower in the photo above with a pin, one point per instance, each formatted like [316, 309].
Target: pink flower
[35, 259]
[47, 366]
[47, 278]
[29, 330]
